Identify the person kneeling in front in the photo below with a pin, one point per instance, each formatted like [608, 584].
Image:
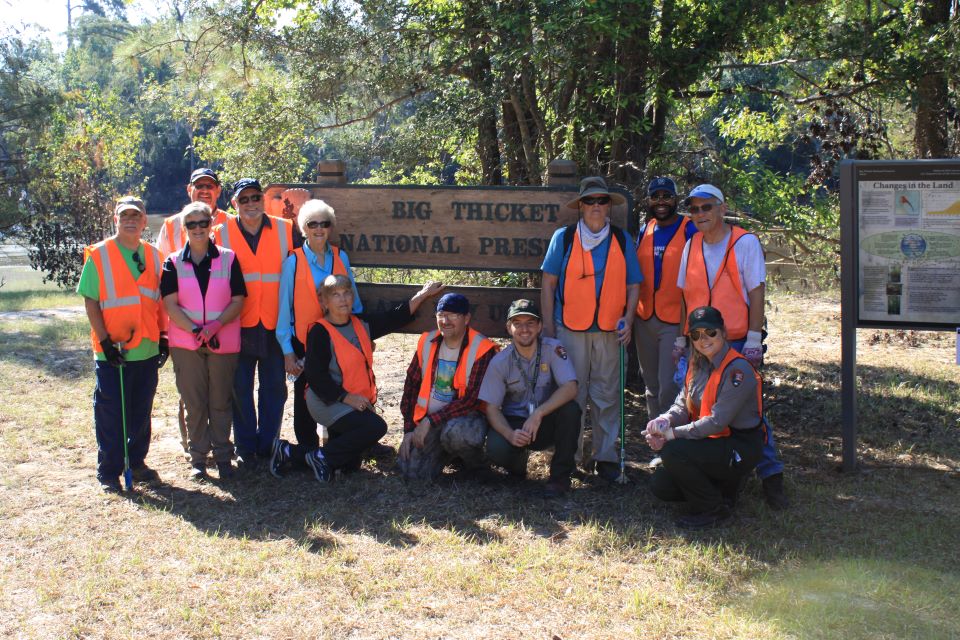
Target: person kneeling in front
[341, 386]
[530, 389]
[713, 434]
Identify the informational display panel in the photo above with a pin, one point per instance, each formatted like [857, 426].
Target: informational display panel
[491, 228]
[906, 241]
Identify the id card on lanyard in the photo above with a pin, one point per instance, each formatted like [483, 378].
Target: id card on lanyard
[530, 384]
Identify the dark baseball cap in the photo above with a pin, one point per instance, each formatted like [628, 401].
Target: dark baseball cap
[204, 173]
[523, 307]
[453, 303]
[246, 183]
[705, 318]
[661, 184]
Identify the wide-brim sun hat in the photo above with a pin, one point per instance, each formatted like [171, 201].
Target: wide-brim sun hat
[595, 186]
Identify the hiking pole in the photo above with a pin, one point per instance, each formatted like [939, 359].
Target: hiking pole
[127, 472]
[622, 478]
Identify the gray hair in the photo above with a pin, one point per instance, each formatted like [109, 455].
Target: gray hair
[195, 207]
[314, 209]
[334, 282]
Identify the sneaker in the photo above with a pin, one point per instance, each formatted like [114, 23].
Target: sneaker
[198, 473]
[247, 462]
[110, 485]
[712, 518]
[556, 488]
[279, 457]
[225, 470]
[773, 492]
[609, 471]
[318, 464]
[378, 450]
[143, 473]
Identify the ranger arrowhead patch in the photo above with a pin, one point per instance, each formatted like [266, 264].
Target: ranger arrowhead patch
[736, 378]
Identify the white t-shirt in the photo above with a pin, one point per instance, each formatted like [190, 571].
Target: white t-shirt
[750, 261]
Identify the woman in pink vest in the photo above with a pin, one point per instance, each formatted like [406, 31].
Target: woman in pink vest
[203, 291]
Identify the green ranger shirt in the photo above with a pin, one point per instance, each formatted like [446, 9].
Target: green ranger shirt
[89, 287]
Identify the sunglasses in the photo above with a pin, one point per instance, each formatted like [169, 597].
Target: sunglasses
[323, 224]
[140, 266]
[706, 208]
[662, 195]
[254, 198]
[697, 334]
[193, 224]
[592, 201]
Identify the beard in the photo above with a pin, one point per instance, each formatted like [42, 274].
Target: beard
[654, 211]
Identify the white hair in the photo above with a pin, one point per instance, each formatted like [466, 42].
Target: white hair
[313, 209]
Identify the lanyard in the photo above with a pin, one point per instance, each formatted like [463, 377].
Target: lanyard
[531, 384]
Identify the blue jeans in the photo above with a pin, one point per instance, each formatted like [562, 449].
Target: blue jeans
[770, 463]
[139, 387]
[255, 426]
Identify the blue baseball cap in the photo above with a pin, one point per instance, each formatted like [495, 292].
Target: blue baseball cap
[453, 303]
[662, 184]
[705, 191]
[246, 183]
[203, 172]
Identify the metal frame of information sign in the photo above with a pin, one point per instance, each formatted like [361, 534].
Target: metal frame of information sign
[900, 259]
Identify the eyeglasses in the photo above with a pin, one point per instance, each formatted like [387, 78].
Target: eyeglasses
[207, 186]
[449, 317]
[254, 198]
[323, 224]
[697, 334]
[193, 224]
[136, 258]
[662, 195]
[592, 201]
[706, 208]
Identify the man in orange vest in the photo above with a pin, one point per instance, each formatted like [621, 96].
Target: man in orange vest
[120, 285]
[591, 285]
[442, 415]
[204, 186]
[660, 245]
[261, 243]
[723, 267]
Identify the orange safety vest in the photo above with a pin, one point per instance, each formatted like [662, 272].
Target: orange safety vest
[261, 270]
[131, 308]
[665, 299]
[726, 295]
[579, 295]
[176, 234]
[427, 351]
[709, 397]
[356, 365]
[306, 300]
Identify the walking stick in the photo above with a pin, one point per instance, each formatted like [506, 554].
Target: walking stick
[622, 478]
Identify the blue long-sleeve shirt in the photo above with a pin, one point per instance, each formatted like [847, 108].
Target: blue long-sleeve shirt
[285, 330]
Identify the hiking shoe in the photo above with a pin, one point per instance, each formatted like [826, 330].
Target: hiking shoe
[712, 518]
[378, 450]
[198, 473]
[773, 492]
[110, 485]
[143, 473]
[556, 488]
[247, 462]
[225, 470]
[279, 457]
[609, 471]
[318, 464]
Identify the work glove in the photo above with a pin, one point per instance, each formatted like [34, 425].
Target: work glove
[209, 330]
[753, 349]
[112, 354]
[197, 335]
[679, 349]
[164, 347]
[658, 425]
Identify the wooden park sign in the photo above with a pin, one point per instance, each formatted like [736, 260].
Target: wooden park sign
[435, 227]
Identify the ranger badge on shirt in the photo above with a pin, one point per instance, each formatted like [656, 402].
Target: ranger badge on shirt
[736, 378]
[561, 352]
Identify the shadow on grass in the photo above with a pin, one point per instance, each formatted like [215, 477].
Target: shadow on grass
[61, 349]
[35, 299]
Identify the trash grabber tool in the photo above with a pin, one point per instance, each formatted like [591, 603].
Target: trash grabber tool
[622, 478]
[127, 471]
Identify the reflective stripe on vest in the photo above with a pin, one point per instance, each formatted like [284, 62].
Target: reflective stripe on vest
[356, 365]
[207, 308]
[427, 351]
[709, 397]
[726, 295]
[131, 308]
[579, 296]
[306, 295]
[665, 300]
[261, 270]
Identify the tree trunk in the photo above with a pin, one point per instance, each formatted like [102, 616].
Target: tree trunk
[930, 136]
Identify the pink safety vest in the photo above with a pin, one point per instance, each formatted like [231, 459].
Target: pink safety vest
[204, 309]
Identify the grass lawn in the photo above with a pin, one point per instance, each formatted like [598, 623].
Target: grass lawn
[867, 555]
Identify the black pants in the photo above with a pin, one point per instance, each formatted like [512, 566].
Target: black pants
[350, 436]
[304, 426]
[698, 471]
[560, 430]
